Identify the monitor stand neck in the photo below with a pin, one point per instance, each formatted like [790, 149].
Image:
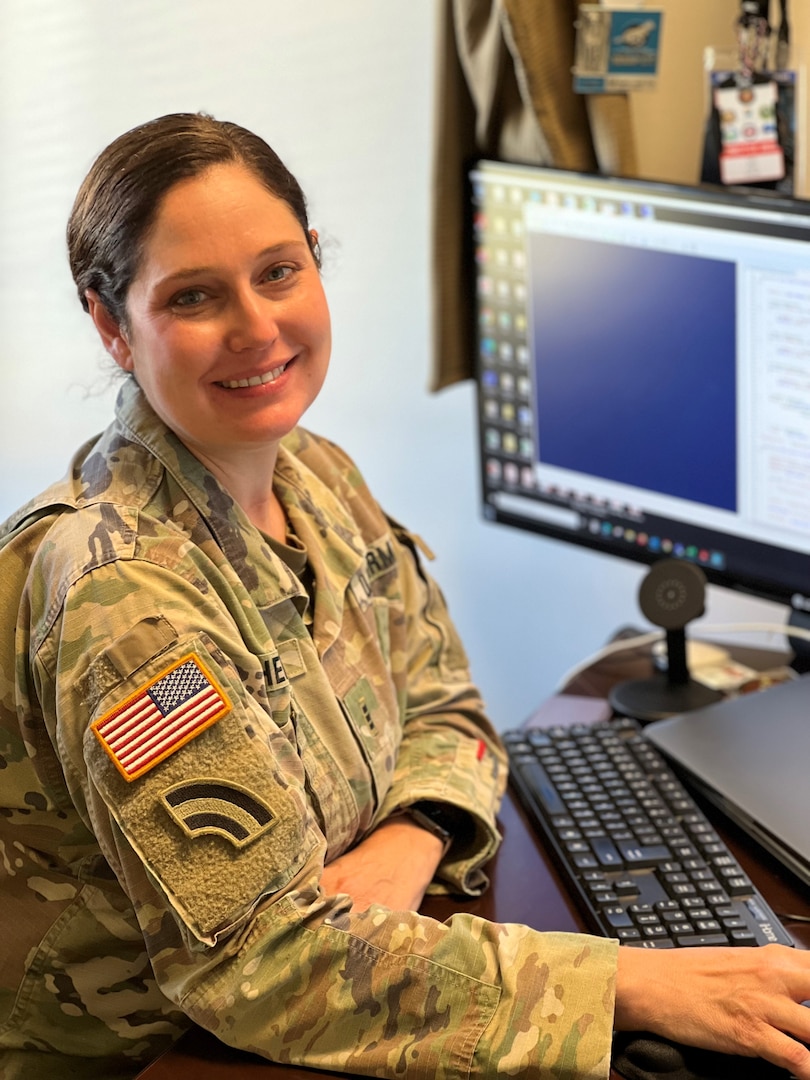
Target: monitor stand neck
[666, 694]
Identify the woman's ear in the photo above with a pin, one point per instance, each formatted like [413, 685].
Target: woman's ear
[315, 246]
[113, 336]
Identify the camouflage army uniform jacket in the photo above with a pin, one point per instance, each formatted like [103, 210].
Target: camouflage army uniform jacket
[181, 748]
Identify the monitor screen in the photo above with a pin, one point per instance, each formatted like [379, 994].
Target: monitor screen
[643, 369]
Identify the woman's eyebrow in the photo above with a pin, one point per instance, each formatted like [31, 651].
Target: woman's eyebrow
[192, 271]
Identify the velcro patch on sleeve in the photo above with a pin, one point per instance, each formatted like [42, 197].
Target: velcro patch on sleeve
[161, 716]
[212, 806]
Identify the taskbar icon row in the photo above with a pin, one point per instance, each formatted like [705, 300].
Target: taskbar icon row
[657, 545]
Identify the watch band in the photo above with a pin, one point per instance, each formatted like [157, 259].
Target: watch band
[434, 818]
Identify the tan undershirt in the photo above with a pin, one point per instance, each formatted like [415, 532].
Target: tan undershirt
[294, 555]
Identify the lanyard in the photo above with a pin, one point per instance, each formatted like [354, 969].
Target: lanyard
[753, 34]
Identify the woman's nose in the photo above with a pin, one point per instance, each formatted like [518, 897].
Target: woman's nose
[252, 322]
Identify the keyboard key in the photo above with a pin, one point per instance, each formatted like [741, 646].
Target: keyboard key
[684, 851]
[673, 917]
[652, 943]
[617, 916]
[680, 929]
[739, 886]
[584, 862]
[654, 931]
[626, 887]
[681, 892]
[606, 853]
[643, 854]
[696, 913]
[696, 940]
[717, 900]
[743, 937]
[576, 847]
[628, 934]
[734, 923]
[543, 787]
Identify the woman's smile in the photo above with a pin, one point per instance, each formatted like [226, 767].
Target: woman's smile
[252, 381]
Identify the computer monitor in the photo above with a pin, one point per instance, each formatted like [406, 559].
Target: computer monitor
[643, 369]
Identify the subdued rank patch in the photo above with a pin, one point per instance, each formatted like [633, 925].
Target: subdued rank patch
[160, 717]
[211, 805]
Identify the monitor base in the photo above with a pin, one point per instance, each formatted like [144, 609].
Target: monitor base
[656, 698]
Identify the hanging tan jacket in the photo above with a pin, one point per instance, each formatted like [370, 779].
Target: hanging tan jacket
[504, 90]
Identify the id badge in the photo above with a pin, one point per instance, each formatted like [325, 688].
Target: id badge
[617, 48]
[749, 142]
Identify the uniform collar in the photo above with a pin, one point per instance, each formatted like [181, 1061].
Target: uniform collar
[330, 534]
[263, 573]
[320, 519]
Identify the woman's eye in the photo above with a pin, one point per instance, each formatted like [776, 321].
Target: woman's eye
[278, 273]
[188, 298]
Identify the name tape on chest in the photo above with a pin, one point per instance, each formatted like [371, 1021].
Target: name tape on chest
[380, 560]
[274, 672]
[160, 717]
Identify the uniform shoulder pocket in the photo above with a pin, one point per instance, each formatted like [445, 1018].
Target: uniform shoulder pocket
[216, 813]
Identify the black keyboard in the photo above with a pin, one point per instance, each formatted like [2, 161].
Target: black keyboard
[642, 860]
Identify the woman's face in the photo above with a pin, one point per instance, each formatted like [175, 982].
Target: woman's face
[228, 328]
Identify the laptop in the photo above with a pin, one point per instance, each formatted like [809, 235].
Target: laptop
[750, 756]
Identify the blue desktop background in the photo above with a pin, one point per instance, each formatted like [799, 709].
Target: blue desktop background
[635, 366]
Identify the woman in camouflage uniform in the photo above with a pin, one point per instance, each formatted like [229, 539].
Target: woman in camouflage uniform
[239, 737]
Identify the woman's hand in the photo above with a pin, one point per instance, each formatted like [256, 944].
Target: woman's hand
[393, 866]
[738, 1001]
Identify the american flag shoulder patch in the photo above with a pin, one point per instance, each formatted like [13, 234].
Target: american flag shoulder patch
[160, 717]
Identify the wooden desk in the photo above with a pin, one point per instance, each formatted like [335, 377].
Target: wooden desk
[525, 888]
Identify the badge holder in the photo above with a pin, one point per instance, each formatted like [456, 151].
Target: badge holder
[617, 47]
[751, 127]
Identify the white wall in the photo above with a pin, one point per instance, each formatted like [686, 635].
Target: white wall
[344, 93]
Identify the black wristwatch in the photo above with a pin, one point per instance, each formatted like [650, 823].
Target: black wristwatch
[435, 817]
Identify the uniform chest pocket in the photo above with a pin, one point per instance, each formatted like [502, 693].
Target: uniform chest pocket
[377, 731]
[348, 733]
